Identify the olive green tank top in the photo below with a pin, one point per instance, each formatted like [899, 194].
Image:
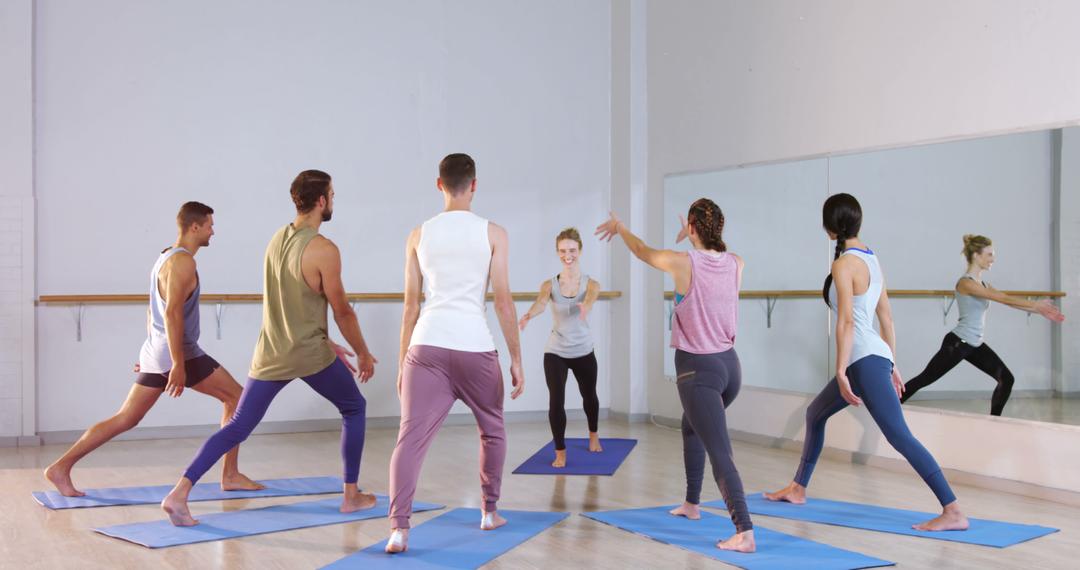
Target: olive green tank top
[292, 342]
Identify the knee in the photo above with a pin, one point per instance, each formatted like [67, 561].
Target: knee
[354, 408]
[1007, 378]
[128, 420]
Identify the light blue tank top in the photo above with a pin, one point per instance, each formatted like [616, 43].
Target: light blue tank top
[867, 341]
[154, 358]
[570, 335]
[972, 316]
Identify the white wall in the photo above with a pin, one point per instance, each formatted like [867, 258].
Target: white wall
[734, 83]
[141, 106]
[16, 221]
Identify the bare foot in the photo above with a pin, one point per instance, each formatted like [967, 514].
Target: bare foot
[560, 458]
[357, 502]
[61, 479]
[950, 519]
[794, 493]
[491, 521]
[398, 542]
[594, 442]
[240, 482]
[688, 510]
[741, 542]
[178, 512]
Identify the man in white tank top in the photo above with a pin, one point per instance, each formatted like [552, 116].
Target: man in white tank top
[447, 352]
[172, 336]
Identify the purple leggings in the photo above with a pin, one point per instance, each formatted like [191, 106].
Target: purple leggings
[334, 383]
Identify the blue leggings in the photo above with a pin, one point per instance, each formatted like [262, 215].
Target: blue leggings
[871, 380]
[334, 383]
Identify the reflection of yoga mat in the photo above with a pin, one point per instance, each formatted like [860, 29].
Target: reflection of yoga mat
[201, 492]
[775, 550]
[896, 521]
[454, 540]
[235, 524]
[579, 460]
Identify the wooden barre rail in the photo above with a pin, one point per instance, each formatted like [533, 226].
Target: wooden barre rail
[799, 294]
[257, 298]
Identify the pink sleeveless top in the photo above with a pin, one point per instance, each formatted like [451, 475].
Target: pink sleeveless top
[706, 318]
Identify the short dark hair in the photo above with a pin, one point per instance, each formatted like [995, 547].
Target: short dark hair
[308, 187]
[457, 171]
[192, 213]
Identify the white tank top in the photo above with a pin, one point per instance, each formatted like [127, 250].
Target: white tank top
[867, 341]
[455, 258]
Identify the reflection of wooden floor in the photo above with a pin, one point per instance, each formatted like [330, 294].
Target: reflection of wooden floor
[33, 537]
[1056, 410]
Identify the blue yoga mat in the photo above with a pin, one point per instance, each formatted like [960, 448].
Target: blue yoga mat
[897, 521]
[775, 550]
[454, 540]
[579, 460]
[114, 496]
[235, 524]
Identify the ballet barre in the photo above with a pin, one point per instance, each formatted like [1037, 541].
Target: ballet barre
[221, 299]
[947, 296]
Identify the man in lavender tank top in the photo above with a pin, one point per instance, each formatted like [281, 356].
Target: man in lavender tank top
[707, 281]
[172, 336]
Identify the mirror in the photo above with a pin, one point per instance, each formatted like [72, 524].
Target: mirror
[917, 203]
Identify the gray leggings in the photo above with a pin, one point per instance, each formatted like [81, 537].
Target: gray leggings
[707, 384]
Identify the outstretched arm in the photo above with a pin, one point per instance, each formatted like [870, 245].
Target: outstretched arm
[1045, 307]
[504, 303]
[538, 305]
[592, 293]
[663, 259]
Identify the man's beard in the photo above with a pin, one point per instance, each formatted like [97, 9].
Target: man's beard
[327, 214]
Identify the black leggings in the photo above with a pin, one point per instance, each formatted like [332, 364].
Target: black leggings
[555, 370]
[708, 384]
[952, 351]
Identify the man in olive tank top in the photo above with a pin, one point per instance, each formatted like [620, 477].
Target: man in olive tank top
[302, 275]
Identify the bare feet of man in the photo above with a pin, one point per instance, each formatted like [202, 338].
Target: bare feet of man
[239, 482]
[61, 479]
[741, 542]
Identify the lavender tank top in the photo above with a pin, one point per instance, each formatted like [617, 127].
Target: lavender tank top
[154, 358]
[706, 318]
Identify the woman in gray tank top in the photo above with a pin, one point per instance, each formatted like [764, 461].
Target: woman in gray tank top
[570, 346]
[965, 342]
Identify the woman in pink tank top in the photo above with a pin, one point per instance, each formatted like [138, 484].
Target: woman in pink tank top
[707, 280]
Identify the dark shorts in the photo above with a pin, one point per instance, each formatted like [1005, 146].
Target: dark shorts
[198, 369]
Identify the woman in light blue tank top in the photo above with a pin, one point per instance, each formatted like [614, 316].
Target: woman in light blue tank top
[570, 345]
[865, 373]
[965, 342]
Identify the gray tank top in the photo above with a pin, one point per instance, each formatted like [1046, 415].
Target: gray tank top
[570, 334]
[867, 341]
[972, 316]
[154, 358]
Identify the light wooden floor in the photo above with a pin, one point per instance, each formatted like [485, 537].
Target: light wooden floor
[34, 537]
[1053, 410]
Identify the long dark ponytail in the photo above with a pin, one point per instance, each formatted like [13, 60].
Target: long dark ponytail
[841, 215]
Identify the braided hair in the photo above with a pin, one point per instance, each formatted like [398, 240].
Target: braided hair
[841, 215]
[708, 222]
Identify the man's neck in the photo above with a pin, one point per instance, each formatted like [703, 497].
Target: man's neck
[311, 220]
[188, 243]
[461, 203]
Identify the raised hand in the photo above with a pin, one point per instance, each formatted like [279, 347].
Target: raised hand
[609, 228]
[684, 231]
